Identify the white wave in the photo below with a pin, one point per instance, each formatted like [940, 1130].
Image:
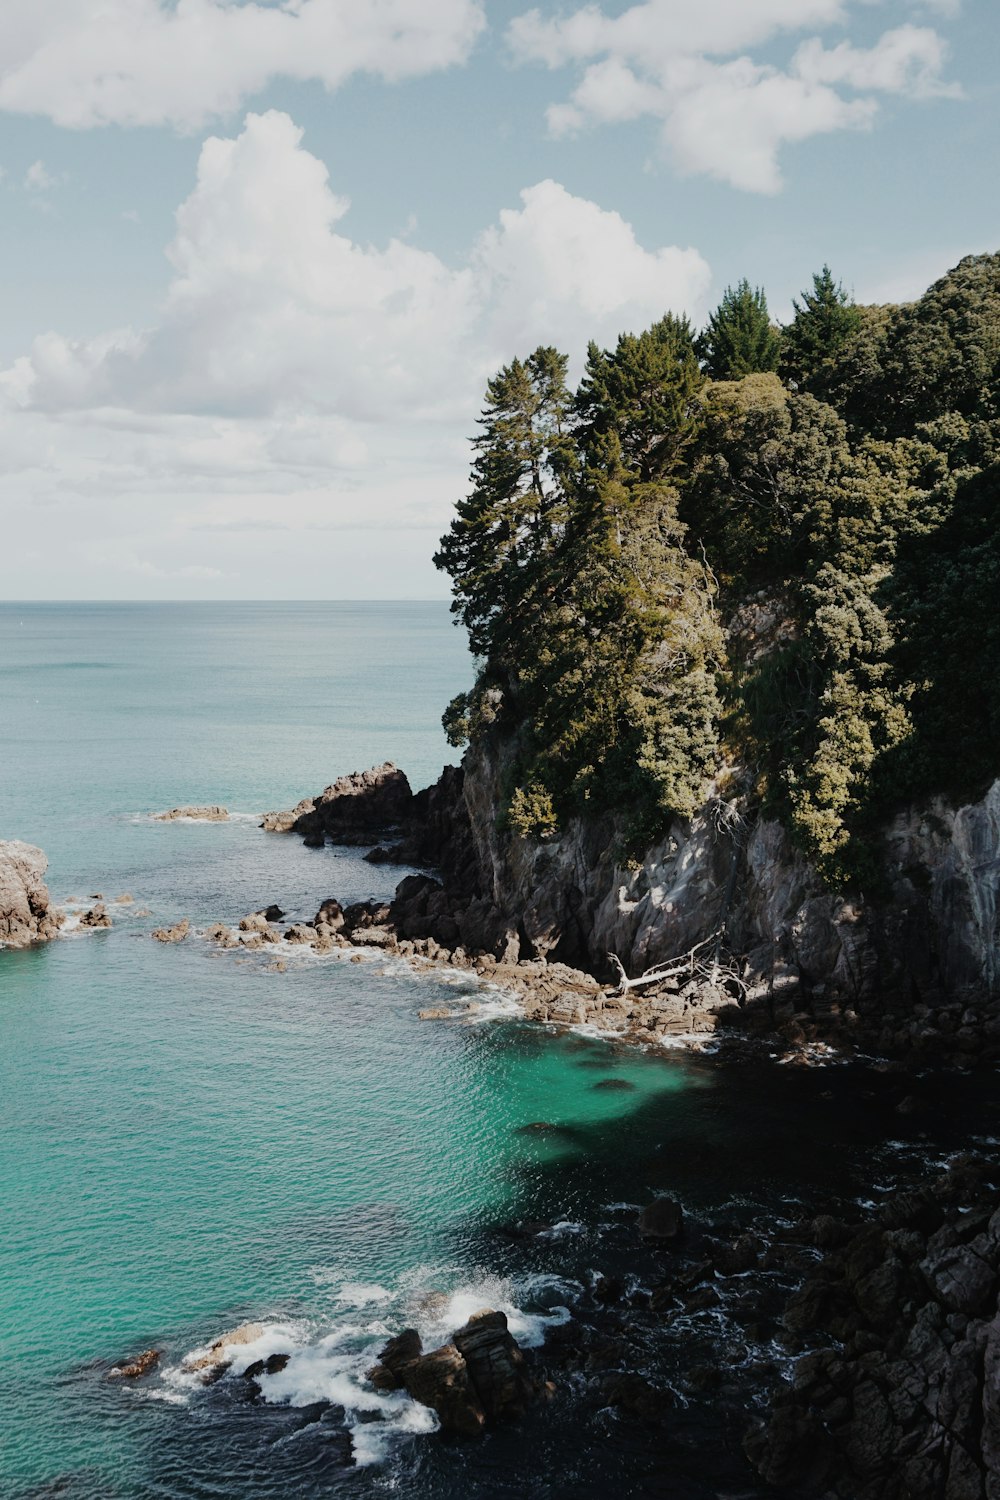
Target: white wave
[360, 1294]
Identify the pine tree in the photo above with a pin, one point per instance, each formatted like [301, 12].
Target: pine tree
[825, 322]
[740, 338]
[645, 392]
[496, 548]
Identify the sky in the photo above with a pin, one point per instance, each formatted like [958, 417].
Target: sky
[261, 256]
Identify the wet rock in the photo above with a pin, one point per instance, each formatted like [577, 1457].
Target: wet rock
[300, 933]
[435, 1013]
[898, 1398]
[478, 1377]
[213, 814]
[221, 934]
[273, 1365]
[175, 934]
[662, 1220]
[496, 1366]
[636, 1395]
[135, 1368]
[217, 1356]
[96, 917]
[273, 913]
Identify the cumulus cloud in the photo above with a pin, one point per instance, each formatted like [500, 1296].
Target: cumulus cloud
[723, 115]
[156, 62]
[273, 308]
[299, 380]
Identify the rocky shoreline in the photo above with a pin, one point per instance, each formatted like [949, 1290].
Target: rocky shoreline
[26, 912]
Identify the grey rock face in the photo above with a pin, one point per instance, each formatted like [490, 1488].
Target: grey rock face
[26, 915]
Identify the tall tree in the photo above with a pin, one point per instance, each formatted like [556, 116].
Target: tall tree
[825, 322]
[645, 393]
[740, 338]
[496, 547]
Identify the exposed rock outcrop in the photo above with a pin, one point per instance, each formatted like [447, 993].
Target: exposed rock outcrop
[97, 916]
[26, 914]
[353, 809]
[135, 1368]
[213, 814]
[477, 1379]
[175, 934]
[901, 1401]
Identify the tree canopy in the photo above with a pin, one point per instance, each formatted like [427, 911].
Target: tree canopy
[685, 566]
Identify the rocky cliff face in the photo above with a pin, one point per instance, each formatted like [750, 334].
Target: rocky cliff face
[918, 964]
[25, 913]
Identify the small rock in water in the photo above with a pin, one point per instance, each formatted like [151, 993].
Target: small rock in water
[273, 913]
[125, 899]
[141, 1365]
[213, 814]
[435, 1013]
[216, 1361]
[175, 934]
[96, 917]
[663, 1219]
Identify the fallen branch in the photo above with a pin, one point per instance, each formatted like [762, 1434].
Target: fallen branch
[688, 966]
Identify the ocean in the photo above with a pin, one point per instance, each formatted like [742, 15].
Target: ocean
[191, 1139]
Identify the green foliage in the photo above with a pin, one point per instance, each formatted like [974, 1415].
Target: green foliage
[825, 323]
[845, 526]
[739, 338]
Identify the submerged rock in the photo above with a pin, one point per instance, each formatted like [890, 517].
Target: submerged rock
[137, 1367]
[26, 915]
[213, 814]
[663, 1220]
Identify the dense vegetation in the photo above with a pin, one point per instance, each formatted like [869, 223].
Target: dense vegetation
[770, 553]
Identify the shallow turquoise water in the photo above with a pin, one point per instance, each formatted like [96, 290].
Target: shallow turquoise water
[190, 1140]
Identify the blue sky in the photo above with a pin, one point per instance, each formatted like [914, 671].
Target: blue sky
[260, 258]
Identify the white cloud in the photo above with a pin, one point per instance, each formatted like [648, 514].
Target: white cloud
[719, 114]
[154, 62]
[297, 385]
[38, 178]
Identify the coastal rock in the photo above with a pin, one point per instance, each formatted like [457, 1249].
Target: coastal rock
[213, 814]
[26, 915]
[217, 1358]
[350, 810]
[662, 1220]
[97, 916]
[175, 934]
[478, 1378]
[219, 933]
[898, 1397]
[135, 1368]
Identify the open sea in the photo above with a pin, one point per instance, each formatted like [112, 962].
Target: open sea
[190, 1140]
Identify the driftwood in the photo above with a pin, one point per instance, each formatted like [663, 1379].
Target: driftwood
[693, 965]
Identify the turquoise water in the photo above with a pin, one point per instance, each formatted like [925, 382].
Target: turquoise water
[190, 1140]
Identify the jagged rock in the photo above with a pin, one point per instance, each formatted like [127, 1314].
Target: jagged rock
[901, 1398]
[662, 1220]
[175, 934]
[96, 917]
[213, 814]
[137, 1367]
[273, 913]
[26, 915]
[477, 1378]
[300, 933]
[221, 934]
[351, 809]
[273, 1365]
